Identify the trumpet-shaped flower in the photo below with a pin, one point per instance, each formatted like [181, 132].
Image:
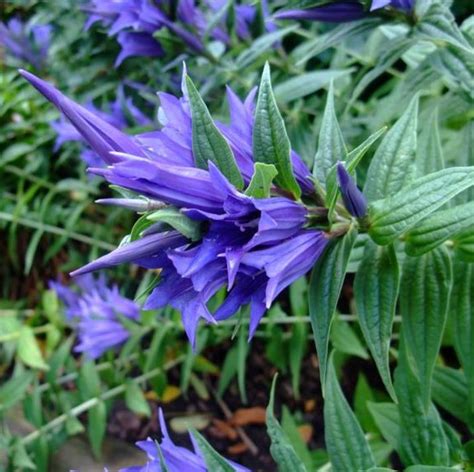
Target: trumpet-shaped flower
[253, 247]
[175, 458]
[95, 311]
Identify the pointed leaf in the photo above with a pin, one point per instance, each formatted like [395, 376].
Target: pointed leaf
[324, 289]
[270, 140]
[135, 400]
[263, 175]
[345, 441]
[173, 217]
[393, 163]
[28, 350]
[376, 290]
[391, 217]
[429, 153]
[214, 461]
[208, 142]
[387, 419]
[424, 296]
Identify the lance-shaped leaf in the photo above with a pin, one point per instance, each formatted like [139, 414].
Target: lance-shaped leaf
[214, 461]
[424, 295]
[345, 441]
[393, 163]
[281, 448]
[208, 142]
[422, 436]
[429, 154]
[461, 312]
[331, 146]
[439, 227]
[173, 217]
[394, 215]
[324, 289]
[263, 175]
[387, 419]
[376, 290]
[270, 140]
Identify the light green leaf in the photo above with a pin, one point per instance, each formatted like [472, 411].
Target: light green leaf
[424, 295]
[208, 142]
[429, 154]
[461, 309]
[331, 146]
[438, 228]
[214, 461]
[422, 437]
[135, 400]
[228, 371]
[28, 350]
[307, 83]
[354, 156]
[392, 166]
[376, 287]
[96, 426]
[173, 217]
[14, 389]
[345, 441]
[345, 340]
[387, 419]
[429, 468]
[324, 289]
[263, 175]
[281, 448]
[270, 140]
[393, 216]
[363, 394]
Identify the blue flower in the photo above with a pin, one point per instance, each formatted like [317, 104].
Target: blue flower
[254, 247]
[26, 41]
[353, 198]
[95, 311]
[176, 458]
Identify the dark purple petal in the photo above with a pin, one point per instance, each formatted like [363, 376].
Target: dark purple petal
[338, 12]
[353, 198]
[137, 44]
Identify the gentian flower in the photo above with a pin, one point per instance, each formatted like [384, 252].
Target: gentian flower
[95, 311]
[136, 21]
[25, 41]
[254, 247]
[176, 458]
[119, 110]
[342, 11]
[353, 198]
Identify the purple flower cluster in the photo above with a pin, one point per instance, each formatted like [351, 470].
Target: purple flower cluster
[342, 11]
[118, 115]
[135, 22]
[175, 458]
[26, 42]
[254, 247]
[95, 310]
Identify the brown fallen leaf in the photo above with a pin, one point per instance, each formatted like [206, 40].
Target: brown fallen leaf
[244, 416]
[309, 405]
[225, 429]
[306, 432]
[238, 448]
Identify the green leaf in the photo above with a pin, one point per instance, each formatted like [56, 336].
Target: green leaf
[393, 216]
[270, 140]
[387, 419]
[393, 163]
[363, 394]
[208, 142]
[263, 175]
[461, 309]
[324, 289]
[345, 340]
[173, 217]
[438, 228]
[242, 353]
[281, 448]
[345, 441]
[214, 461]
[331, 146]
[228, 372]
[422, 437]
[135, 400]
[28, 350]
[439, 26]
[13, 390]
[464, 246]
[429, 153]
[450, 391]
[307, 83]
[354, 156]
[96, 426]
[424, 295]
[376, 287]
